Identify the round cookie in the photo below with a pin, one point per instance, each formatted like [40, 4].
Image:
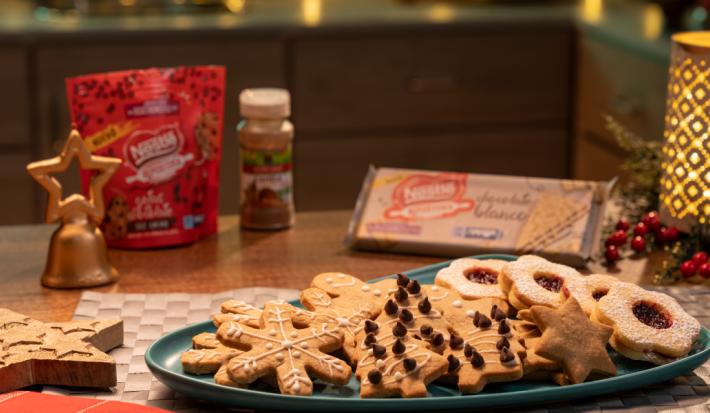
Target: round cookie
[588, 290]
[648, 325]
[532, 280]
[472, 278]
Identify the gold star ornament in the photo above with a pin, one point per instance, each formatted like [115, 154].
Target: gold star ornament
[77, 252]
[577, 343]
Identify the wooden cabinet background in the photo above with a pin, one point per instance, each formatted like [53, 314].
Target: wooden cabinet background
[473, 101]
[629, 87]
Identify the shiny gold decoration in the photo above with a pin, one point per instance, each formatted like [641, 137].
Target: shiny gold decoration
[685, 180]
[77, 251]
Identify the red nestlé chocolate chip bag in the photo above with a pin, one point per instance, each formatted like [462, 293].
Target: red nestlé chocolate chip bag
[166, 125]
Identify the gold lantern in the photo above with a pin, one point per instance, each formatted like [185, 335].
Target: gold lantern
[685, 179]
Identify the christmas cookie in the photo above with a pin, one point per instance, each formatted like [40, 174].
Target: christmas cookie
[393, 362]
[352, 289]
[278, 349]
[236, 310]
[207, 355]
[419, 308]
[570, 338]
[588, 290]
[647, 325]
[535, 367]
[532, 280]
[342, 312]
[484, 347]
[472, 278]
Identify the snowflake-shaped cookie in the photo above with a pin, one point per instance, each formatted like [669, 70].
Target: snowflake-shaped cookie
[207, 355]
[278, 349]
[245, 313]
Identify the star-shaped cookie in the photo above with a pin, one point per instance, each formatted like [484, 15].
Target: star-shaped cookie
[573, 340]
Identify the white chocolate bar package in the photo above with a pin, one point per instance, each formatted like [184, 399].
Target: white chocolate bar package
[457, 214]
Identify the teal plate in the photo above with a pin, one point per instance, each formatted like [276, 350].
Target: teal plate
[163, 359]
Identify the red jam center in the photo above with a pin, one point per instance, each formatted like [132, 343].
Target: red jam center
[550, 283]
[481, 276]
[651, 315]
[597, 295]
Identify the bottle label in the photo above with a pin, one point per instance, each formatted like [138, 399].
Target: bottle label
[267, 178]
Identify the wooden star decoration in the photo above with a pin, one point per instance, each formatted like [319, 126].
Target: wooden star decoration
[573, 340]
[58, 208]
[61, 354]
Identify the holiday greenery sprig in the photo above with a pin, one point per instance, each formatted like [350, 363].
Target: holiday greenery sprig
[638, 196]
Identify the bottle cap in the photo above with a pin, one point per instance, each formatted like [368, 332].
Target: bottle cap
[265, 103]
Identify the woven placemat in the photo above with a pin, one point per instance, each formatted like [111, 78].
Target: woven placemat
[148, 316]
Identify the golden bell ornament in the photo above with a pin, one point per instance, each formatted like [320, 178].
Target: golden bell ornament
[77, 254]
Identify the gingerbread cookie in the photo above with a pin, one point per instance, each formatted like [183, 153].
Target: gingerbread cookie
[532, 280]
[412, 306]
[484, 347]
[236, 310]
[352, 289]
[647, 325]
[279, 349]
[393, 362]
[341, 312]
[472, 278]
[570, 338]
[207, 355]
[590, 289]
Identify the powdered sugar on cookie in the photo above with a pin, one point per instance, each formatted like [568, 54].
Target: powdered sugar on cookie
[473, 278]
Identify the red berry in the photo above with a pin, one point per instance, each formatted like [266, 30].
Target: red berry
[640, 229]
[638, 244]
[619, 238]
[688, 268]
[652, 221]
[623, 225]
[700, 258]
[609, 241]
[671, 234]
[704, 270]
[661, 235]
[612, 254]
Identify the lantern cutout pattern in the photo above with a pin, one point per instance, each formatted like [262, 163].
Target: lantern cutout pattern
[685, 179]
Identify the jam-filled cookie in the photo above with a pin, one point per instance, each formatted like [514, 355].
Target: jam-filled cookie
[588, 290]
[472, 278]
[648, 325]
[532, 280]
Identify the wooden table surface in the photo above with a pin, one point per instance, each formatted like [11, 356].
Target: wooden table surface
[231, 259]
